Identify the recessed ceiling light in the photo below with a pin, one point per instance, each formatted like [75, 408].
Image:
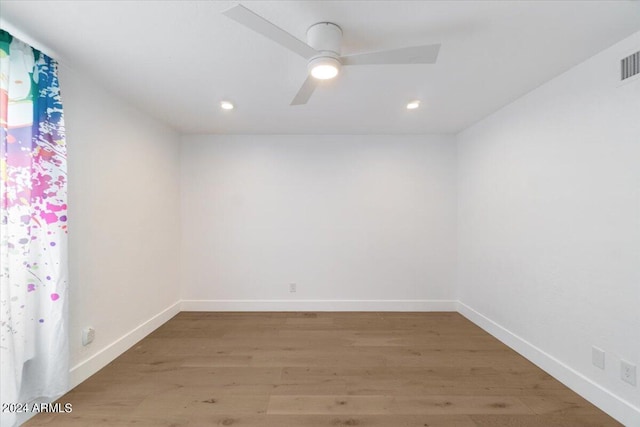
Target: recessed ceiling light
[413, 105]
[226, 105]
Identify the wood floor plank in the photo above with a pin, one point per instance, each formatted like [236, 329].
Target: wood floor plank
[592, 420]
[241, 420]
[323, 369]
[408, 405]
[395, 381]
[190, 401]
[567, 404]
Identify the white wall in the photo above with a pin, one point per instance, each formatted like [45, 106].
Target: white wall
[123, 221]
[549, 220]
[344, 217]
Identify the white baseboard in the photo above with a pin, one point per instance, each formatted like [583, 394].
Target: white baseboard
[620, 409]
[319, 305]
[99, 360]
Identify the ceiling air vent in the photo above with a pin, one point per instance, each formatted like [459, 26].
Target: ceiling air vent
[630, 66]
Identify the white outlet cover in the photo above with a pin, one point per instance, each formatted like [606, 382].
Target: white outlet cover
[628, 372]
[597, 357]
[292, 287]
[88, 335]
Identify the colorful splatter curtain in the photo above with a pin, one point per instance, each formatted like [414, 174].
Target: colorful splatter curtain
[34, 343]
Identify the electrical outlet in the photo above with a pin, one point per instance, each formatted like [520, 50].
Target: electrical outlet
[628, 372]
[597, 357]
[292, 287]
[88, 335]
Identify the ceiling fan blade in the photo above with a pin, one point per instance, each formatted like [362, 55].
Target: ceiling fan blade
[305, 91]
[407, 55]
[257, 23]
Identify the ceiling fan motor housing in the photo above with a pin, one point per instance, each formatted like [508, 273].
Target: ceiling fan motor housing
[326, 38]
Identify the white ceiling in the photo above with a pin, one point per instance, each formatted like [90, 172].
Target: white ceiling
[177, 59]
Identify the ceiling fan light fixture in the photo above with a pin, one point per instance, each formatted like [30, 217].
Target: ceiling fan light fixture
[324, 68]
[413, 105]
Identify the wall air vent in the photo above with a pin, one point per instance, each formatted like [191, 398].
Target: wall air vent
[630, 66]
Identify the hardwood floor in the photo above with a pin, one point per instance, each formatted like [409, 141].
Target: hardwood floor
[323, 369]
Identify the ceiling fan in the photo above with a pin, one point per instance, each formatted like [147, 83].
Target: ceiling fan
[322, 49]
